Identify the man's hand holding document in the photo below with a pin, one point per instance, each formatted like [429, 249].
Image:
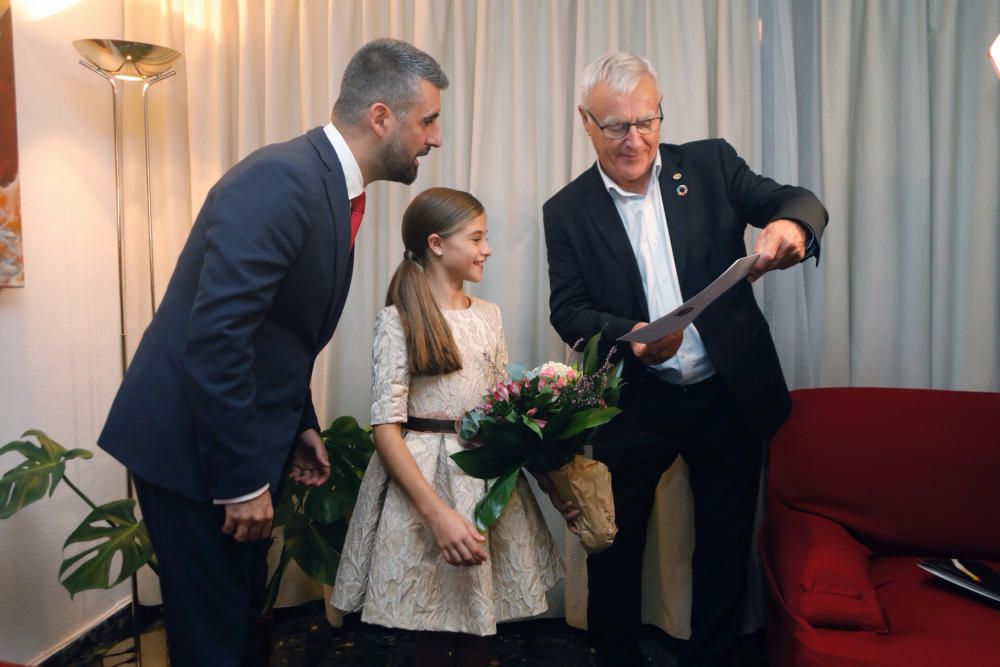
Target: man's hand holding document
[686, 313]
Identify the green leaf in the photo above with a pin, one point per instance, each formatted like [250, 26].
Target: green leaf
[327, 503]
[492, 505]
[483, 462]
[315, 547]
[125, 537]
[347, 442]
[274, 584]
[41, 471]
[530, 423]
[345, 477]
[613, 388]
[313, 517]
[504, 445]
[591, 355]
[290, 493]
[583, 420]
[557, 422]
[570, 424]
[347, 431]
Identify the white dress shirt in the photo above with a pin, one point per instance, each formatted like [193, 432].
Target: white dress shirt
[646, 225]
[355, 186]
[352, 172]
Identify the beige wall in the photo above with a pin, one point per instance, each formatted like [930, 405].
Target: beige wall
[59, 360]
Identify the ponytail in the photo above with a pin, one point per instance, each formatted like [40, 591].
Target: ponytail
[430, 347]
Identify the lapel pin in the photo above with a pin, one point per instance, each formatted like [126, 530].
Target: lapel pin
[677, 176]
[682, 190]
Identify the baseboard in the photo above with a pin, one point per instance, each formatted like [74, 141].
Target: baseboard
[114, 623]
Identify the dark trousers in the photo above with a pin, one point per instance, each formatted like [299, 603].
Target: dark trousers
[702, 424]
[212, 585]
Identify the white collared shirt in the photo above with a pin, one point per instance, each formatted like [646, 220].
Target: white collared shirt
[645, 223]
[355, 186]
[352, 172]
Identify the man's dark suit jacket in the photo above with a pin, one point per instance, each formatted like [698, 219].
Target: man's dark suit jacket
[596, 285]
[218, 389]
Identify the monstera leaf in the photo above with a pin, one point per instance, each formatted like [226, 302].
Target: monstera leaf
[349, 447]
[349, 444]
[315, 547]
[117, 532]
[41, 471]
[326, 504]
[314, 518]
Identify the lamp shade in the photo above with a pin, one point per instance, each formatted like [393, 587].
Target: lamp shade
[995, 54]
[133, 61]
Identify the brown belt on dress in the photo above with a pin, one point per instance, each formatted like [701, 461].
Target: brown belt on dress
[424, 425]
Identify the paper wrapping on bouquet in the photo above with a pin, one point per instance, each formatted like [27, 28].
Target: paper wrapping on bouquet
[587, 483]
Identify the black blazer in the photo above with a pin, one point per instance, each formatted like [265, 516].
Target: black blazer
[218, 389]
[596, 285]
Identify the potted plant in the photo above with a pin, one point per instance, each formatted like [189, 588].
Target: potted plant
[314, 519]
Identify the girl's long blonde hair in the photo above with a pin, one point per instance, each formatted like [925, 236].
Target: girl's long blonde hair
[430, 347]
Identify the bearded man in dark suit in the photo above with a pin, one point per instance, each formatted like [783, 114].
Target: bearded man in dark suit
[644, 229]
[217, 400]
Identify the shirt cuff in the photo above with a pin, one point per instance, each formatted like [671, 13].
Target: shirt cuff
[241, 499]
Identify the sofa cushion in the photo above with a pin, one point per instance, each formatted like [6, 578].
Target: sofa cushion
[823, 572]
[931, 624]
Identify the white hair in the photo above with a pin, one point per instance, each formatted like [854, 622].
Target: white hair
[619, 69]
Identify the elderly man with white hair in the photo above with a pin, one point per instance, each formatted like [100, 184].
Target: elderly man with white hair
[648, 226]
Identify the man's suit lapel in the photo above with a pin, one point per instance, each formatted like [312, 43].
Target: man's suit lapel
[336, 193]
[674, 206]
[604, 216]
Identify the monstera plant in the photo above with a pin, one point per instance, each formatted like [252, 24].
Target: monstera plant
[110, 529]
[314, 518]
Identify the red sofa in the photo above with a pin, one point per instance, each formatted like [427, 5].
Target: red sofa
[861, 484]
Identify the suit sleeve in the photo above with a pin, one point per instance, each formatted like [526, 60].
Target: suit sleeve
[762, 200]
[257, 224]
[309, 419]
[571, 309]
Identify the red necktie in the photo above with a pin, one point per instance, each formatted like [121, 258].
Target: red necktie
[357, 211]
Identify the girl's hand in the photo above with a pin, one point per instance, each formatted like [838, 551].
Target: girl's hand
[569, 511]
[459, 541]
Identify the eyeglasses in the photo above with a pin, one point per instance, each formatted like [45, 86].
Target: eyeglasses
[620, 130]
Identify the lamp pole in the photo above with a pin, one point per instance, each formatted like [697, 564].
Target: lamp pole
[119, 61]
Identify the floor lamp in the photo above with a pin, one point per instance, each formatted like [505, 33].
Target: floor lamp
[118, 62]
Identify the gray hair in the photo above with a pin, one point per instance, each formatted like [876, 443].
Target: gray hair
[387, 71]
[619, 69]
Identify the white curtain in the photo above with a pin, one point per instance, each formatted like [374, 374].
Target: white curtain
[887, 110]
[890, 112]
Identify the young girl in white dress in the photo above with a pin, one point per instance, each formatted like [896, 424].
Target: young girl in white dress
[412, 557]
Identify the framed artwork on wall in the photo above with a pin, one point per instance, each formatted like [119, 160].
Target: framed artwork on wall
[11, 256]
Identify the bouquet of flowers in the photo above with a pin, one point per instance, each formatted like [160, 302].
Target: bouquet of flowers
[541, 420]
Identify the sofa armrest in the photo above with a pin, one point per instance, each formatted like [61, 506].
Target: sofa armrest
[822, 572]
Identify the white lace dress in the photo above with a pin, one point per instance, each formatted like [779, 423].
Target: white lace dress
[391, 567]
